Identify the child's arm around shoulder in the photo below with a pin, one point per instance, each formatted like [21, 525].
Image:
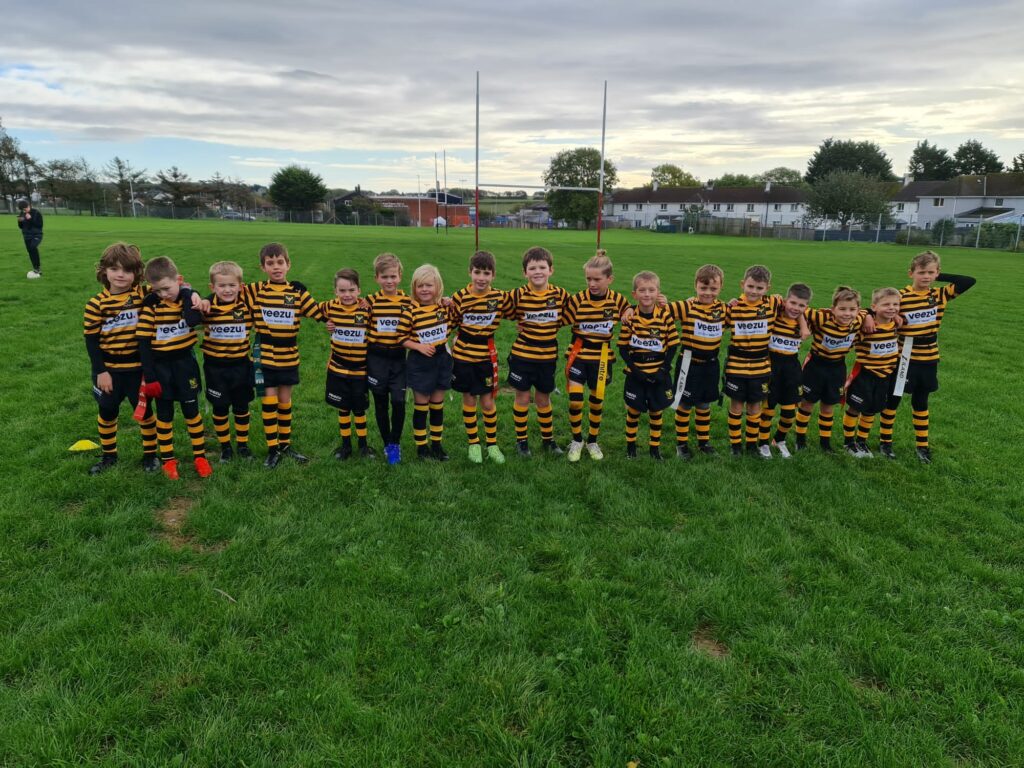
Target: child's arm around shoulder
[961, 283]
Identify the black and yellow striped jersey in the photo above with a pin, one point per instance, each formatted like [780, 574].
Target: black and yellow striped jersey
[647, 340]
[477, 317]
[922, 315]
[829, 340]
[384, 313]
[878, 352]
[539, 315]
[701, 326]
[277, 311]
[751, 331]
[226, 331]
[785, 340]
[348, 339]
[163, 326]
[593, 320]
[113, 318]
[425, 324]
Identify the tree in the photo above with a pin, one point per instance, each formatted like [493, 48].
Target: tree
[864, 156]
[734, 180]
[790, 177]
[1018, 163]
[580, 167]
[294, 188]
[177, 184]
[847, 197]
[17, 169]
[972, 158]
[125, 178]
[931, 163]
[669, 175]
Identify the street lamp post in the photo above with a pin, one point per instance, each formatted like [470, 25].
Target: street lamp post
[981, 208]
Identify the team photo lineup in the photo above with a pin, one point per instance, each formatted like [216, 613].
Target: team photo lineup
[680, 357]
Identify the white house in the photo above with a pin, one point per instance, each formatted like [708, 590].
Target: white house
[767, 204]
[973, 199]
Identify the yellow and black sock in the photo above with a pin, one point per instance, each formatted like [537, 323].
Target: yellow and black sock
[764, 436]
[196, 435]
[165, 438]
[284, 424]
[359, 419]
[632, 424]
[576, 412]
[753, 429]
[436, 422]
[222, 426]
[544, 422]
[147, 427]
[920, 427]
[850, 427]
[683, 424]
[596, 413]
[469, 420]
[520, 413]
[108, 434]
[491, 426]
[886, 424]
[702, 423]
[864, 427]
[242, 427]
[735, 428]
[825, 427]
[268, 406]
[803, 419]
[420, 413]
[345, 425]
[787, 415]
[654, 419]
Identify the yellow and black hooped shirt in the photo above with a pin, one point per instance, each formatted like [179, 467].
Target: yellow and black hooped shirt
[425, 324]
[384, 313]
[593, 320]
[701, 326]
[226, 331]
[277, 312]
[751, 328]
[829, 340]
[109, 325]
[477, 317]
[922, 316]
[646, 341]
[348, 339]
[539, 314]
[785, 340]
[878, 352]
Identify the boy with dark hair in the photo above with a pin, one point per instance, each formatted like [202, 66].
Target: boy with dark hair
[166, 336]
[702, 320]
[539, 309]
[476, 311]
[592, 314]
[751, 319]
[346, 387]
[647, 344]
[110, 322]
[278, 306]
[227, 361]
[385, 356]
[788, 333]
[922, 306]
[30, 222]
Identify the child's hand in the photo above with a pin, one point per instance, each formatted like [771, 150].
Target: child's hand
[364, 304]
[869, 324]
[733, 302]
[899, 321]
[428, 350]
[105, 383]
[445, 301]
[204, 305]
[331, 326]
[627, 315]
[662, 300]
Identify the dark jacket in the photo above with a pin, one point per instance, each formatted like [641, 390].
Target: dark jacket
[33, 227]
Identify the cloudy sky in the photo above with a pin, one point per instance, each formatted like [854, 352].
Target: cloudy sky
[366, 93]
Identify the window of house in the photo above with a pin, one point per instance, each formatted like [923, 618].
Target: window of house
[999, 201]
[899, 206]
[750, 207]
[728, 206]
[794, 207]
[664, 206]
[625, 206]
[639, 206]
[938, 202]
[716, 207]
[777, 207]
[682, 207]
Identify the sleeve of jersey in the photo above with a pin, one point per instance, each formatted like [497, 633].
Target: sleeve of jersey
[512, 309]
[677, 311]
[92, 320]
[621, 305]
[310, 308]
[405, 326]
[92, 346]
[671, 336]
[625, 333]
[507, 307]
[958, 284]
[569, 316]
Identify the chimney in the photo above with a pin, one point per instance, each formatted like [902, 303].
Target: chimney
[907, 178]
[767, 187]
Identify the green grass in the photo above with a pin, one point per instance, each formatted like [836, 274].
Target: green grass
[819, 611]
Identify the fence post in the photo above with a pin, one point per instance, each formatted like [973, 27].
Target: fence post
[878, 230]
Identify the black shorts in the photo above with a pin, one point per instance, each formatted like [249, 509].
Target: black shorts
[747, 389]
[647, 396]
[922, 379]
[280, 377]
[823, 380]
[347, 393]
[229, 384]
[179, 378]
[784, 388]
[473, 378]
[125, 385]
[524, 375]
[868, 393]
[585, 372]
[429, 374]
[385, 373]
[701, 382]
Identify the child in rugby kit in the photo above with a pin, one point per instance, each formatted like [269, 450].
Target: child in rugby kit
[278, 306]
[227, 364]
[385, 356]
[539, 309]
[476, 312]
[592, 314]
[870, 380]
[922, 306]
[833, 332]
[788, 333]
[751, 319]
[647, 343]
[109, 324]
[166, 337]
[702, 320]
[423, 330]
[346, 388]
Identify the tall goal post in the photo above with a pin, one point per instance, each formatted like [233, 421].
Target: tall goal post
[497, 185]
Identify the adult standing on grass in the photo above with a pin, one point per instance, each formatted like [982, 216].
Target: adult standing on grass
[30, 222]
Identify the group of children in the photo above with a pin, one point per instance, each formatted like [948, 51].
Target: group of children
[141, 346]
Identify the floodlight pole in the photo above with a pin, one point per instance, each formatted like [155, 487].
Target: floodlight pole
[131, 191]
[600, 186]
[437, 190]
[476, 182]
[444, 154]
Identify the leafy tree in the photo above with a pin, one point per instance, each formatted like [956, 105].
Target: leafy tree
[931, 163]
[972, 158]
[734, 180]
[17, 169]
[864, 156]
[580, 167]
[216, 189]
[790, 177]
[1018, 163]
[294, 188]
[177, 184]
[669, 175]
[847, 197]
[125, 177]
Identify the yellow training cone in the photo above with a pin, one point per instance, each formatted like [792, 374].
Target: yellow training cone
[84, 445]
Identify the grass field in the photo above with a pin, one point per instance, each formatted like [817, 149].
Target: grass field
[821, 611]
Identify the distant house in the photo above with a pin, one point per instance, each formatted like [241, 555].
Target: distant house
[768, 204]
[970, 200]
[422, 210]
[904, 205]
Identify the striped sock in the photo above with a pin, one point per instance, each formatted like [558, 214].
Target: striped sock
[765, 435]
[268, 407]
[886, 424]
[576, 412]
[242, 427]
[470, 422]
[632, 424]
[544, 422]
[654, 419]
[284, 424]
[683, 424]
[520, 413]
[921, 428]
[596, 412]
[165, 438]
[735, 428]
[108, 434]
[787, 415]
[420, 413]
[491, 426]
[436, 422]
[196, 435]
[702, 423]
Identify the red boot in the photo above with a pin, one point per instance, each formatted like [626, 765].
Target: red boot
[203, 467]
[170, 468]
